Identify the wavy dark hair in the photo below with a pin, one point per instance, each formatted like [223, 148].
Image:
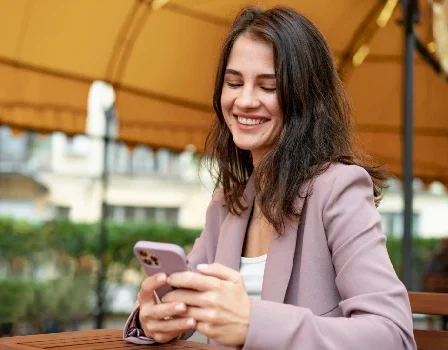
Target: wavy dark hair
[317, 128]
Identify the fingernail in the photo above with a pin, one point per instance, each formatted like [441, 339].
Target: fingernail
[179, 307]
[190, 322]
[161, 278]
[202, 266]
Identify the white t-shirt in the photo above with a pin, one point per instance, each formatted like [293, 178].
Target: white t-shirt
[252, 270]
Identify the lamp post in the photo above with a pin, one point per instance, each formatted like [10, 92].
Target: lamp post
[410, 15]
[102, 247]
[101, 126]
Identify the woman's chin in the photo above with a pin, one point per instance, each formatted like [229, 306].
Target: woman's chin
[245, 146]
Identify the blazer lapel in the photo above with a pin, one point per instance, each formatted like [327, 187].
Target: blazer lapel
[233, 231]
[277, 271]
[281, 251]
[280, 260]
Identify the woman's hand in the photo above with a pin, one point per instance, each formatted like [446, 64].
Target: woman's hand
[156, 319]
[216, 299]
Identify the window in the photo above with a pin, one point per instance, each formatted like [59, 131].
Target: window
[150, 214]
[41, 152]
[118, 158]
[61, 212]
[14, 148]
[77, 145]
[172, 215]
[393, 224]
[166, 162]
[142, 160]
[130, 213]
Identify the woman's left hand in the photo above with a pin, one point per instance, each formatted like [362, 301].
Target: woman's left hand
[217, 299]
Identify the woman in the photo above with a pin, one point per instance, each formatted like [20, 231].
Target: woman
[293, 215]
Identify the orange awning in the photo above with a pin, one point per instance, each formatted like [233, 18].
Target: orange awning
[161, 56]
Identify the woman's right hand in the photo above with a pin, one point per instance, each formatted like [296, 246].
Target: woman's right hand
[158, 320]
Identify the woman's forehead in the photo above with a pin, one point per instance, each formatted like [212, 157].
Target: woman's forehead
[251, 55]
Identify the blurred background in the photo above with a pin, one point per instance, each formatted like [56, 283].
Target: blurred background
[104, 110]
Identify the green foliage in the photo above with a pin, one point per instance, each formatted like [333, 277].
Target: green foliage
[422, 249]
[15, 238]
[68, 250]
[72, 248]
[22, 239]
[122, 238]
[15, 296]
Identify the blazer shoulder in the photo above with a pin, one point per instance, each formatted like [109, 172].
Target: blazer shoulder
[218, 196]
[217, 205]
[341, 174]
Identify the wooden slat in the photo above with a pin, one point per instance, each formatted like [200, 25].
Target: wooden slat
[431, 340]
[435, 282]
[429, 303]
[92, 340]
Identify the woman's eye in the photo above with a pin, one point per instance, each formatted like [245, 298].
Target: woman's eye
[233, 85]
[268, 89]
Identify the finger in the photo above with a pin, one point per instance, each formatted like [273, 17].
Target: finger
[162, 337]
[161, 311]
[193, 280]
[149, 285]
[203, 314]
[219, 271]
[207, 329]
[176, 325]
[188, 297]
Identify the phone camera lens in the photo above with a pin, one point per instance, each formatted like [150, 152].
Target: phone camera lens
[155, 260]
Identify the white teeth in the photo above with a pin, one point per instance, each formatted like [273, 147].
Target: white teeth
[248, 121]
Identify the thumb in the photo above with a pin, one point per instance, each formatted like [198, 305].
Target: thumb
[148, 288]
[219, 271]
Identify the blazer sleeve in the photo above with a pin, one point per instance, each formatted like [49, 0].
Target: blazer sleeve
[374, 304]
[132, 330]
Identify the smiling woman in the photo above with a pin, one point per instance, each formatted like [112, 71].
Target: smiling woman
[249, 101]
[293, 215]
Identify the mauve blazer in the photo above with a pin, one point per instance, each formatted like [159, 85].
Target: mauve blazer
[328, 281]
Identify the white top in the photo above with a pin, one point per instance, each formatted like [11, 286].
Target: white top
[252, 270]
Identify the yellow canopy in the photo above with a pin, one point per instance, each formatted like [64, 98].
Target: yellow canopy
[161, 56]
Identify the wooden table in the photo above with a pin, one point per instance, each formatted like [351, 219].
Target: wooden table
[100, 339]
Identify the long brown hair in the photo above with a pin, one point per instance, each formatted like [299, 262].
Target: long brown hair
[317, 128]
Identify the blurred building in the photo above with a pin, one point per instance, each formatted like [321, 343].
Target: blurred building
[46, 177]
[55, 176]
[430, 210]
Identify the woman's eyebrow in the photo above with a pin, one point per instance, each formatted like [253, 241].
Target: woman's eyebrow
[233, 72]
[239, 74]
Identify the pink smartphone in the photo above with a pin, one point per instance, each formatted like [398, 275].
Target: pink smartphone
[158, 257]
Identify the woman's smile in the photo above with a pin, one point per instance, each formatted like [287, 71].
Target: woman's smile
[248, 122]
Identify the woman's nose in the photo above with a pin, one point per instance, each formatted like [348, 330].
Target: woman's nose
[247, 99]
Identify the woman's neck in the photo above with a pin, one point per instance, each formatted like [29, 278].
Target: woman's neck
[256, 158]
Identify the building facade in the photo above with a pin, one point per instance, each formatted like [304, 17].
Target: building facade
[54, 176]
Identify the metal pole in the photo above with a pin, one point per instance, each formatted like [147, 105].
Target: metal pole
[408, 100]
[102, 248]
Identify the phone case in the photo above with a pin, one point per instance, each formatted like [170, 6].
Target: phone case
[157, 257]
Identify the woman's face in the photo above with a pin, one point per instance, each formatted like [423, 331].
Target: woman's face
[249, 98]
